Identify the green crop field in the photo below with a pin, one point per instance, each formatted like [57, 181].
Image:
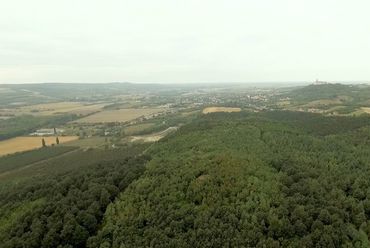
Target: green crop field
[120, 115]
[19, 160]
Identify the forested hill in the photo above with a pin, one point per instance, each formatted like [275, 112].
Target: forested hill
[331, 91]
[249, 180]
[60, 202]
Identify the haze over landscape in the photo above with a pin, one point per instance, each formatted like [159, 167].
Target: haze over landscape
[184, 124]
[183, 41]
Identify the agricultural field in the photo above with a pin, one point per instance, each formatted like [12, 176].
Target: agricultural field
[220, 109]
[11, 163]
[54, 162]
[92, 142]
[135, 129]
[26, 124]
[44, 109]
[20, 144]
[119, 115]
[189, 113]
[323, 102]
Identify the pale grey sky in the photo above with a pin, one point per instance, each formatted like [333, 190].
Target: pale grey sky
[179, 41]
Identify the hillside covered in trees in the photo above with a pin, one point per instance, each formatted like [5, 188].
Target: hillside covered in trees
[250, 180]
[357, 93]
[268, 179]
[61, 203]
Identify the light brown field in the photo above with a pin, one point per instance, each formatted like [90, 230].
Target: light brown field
[20, 144]
[119, 115]
[56, 108]
[220, 109]
[366, 110]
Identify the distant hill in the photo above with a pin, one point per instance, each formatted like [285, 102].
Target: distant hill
[23, 94]
[57, 91]
[341, 92]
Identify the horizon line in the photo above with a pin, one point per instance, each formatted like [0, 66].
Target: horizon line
[208, 82]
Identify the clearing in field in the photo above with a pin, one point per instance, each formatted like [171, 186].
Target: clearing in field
[119, 115]
[189, 113]
[135, 129]
[152, 137]
[20, 144]
[220, 109]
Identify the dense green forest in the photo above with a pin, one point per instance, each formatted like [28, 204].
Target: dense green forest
[26, 124]
[268, 179]
[63, 208]
[276, 179]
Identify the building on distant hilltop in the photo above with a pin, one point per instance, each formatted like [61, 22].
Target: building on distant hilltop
[318, 82]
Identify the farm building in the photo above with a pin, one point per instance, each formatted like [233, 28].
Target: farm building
[47, 132]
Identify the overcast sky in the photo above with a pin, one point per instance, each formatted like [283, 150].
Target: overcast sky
[180, 41]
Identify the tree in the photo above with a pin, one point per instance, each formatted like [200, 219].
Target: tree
[43, 142]
[57, 141]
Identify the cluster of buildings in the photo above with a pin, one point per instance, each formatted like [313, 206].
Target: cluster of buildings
[47, 132]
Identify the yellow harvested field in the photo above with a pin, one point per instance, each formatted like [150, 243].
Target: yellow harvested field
[20, 144]
[56, 108]
[119, 115]
[220, 109]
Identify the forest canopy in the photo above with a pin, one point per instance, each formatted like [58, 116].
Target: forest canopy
[269, 179]
[246, 180]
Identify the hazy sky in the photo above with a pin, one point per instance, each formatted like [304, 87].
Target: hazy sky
[184, 40]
